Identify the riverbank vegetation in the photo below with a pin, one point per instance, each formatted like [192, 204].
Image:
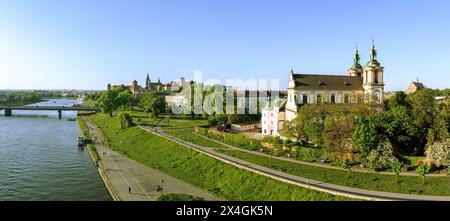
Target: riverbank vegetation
[370, 181]
[223, 180]
[88, 138]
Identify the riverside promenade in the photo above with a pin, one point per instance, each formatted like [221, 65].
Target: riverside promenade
[121, 173]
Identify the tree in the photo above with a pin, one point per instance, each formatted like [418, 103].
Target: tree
[108, 102]
[423, 170]
[397, 167]
[439, 153]
[365, 137]
[438, 131]
[125, 120]
[381, 157]
[154, 103]
[399, 99]
[338, 131]
[424, 104]
[124, 99]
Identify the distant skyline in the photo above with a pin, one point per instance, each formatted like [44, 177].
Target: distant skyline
[85, 44]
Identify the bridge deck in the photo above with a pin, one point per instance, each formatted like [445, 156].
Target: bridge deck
[52, 108]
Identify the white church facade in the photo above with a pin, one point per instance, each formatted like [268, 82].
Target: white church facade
[361, 84]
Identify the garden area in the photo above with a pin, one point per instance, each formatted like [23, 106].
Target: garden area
[223, 180]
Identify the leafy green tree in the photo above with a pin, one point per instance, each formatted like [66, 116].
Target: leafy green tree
[424, 105]
[154, 103]
[397, 167]
[108, 102]
[337, 133]
[126, 121]
[399, 99]
[438, 131]
[124, 99]
[365, 137]
[423, 170]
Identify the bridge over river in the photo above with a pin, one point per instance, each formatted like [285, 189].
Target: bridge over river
[60, 109]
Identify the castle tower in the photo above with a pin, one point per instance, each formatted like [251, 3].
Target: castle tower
[356, 70]
[134, 87]
[373, 83]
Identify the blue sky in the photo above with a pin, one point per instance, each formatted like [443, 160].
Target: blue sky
[86, 44]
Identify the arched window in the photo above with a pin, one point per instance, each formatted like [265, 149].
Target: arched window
[376, 77]
[346, 99]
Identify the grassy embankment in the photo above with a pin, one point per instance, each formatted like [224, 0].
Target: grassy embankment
[223, 180]
[88, 139]
[406, 184]
[371, 181]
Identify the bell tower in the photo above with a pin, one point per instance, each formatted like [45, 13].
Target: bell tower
[373, 83]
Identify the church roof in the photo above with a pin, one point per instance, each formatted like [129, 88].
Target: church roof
[327, 82]
[418, 85]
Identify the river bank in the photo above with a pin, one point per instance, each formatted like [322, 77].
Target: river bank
[121, 173]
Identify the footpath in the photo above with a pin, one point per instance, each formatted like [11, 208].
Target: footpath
[121, 174]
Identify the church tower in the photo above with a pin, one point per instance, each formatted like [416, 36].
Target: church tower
[373, 78]
[356, 70]
[148, 82]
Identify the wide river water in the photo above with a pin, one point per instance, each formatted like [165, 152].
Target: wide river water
[39, 158]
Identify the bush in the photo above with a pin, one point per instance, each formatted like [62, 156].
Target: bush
[309, 154]
[439, 153]
[382, 157]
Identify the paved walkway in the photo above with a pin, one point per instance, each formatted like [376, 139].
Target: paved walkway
[296, 180]
[122, 172]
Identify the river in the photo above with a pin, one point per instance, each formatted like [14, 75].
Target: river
[40, 161]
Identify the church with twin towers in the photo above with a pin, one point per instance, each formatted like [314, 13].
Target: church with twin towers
[361, 84]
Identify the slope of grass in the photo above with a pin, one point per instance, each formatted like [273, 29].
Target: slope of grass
[223, 180]
[407, 184]
[189, 136]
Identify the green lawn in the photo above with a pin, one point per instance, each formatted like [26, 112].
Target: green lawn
[223, 180]
[189, 136]
[407, 184]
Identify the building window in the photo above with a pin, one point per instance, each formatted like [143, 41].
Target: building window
[333, 99]
[376, 77]
[346, 99]
[319, 99]
[305, 99]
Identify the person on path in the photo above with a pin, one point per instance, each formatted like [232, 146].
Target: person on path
[129, 190]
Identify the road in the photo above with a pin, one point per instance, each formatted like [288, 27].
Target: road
[297, 180]
[122, 172]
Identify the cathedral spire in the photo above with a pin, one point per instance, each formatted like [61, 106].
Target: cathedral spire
[148, 82]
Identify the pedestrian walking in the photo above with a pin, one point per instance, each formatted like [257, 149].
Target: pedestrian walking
[129, 190]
